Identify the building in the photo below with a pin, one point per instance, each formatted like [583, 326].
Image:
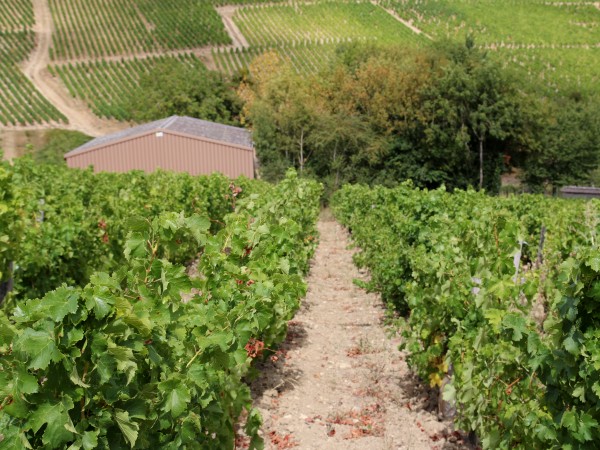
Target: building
[580, 192]
[180, 144]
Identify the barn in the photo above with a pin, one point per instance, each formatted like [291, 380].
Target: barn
[582, 192]
[180, 144]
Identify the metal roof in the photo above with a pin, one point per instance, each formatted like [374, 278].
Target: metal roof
[184, 125]
[581, 190]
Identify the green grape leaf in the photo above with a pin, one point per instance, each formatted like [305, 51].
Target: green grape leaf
[57, 421]
[39, 346]
[129, 428]
[176, 397]
[61, 302]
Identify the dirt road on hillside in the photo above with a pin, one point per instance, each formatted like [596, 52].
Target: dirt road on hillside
[79, 116]
[226, 13]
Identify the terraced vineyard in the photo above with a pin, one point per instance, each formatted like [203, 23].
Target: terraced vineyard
[20, 102]
[307, 34]
[89, 29]
[555, 43]
[306, 57]
[104, 84]
[16, 15]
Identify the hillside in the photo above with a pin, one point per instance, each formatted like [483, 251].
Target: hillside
[62, 59]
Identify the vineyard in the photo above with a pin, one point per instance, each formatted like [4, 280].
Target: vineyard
[20, 102]
[320, 22]
[557, 69]
[129, 315]
[306, 35]
[16, 15]
[504, 22]
[503, 301]
[89, 29]
[304, 57]
[551, 43]
[104, 85]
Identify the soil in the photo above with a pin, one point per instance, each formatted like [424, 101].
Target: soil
[226, 13]
[340, 381]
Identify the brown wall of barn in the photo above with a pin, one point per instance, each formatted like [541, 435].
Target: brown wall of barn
[172, 151]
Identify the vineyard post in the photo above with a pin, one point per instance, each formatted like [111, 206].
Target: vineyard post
[7, 286]
[540, 255]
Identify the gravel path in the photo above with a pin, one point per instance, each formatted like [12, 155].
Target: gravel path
[341, 383]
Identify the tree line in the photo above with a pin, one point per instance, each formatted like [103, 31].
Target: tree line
[447, 115]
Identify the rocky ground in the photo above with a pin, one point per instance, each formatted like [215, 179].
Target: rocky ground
[340, 381]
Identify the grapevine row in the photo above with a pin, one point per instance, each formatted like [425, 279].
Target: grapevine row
[74, 222]
[105, 85]
[16, 15]
[501, 302]
[177, 347]
[86, 29]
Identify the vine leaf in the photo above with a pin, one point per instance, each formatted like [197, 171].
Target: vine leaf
[176, 396]
[40, 347]
[128, 428]
[57, 421]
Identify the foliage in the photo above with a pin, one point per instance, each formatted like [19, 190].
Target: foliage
[129, 362]
[383, 115]
[569, 149]
[473, 106]
[510, 319]
[185, 90]
[11, 224]
[75, 222]
[58, 142]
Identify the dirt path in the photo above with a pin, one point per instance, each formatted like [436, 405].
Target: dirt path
[203, 53]
[79, 116]
[407, 23]
[226, 13]
[8, 144]
[341, 383]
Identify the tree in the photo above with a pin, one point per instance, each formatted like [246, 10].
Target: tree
[283, 113]
[57, 143]
[567, 149]
[472, 113]
[186, 90]
[447, 115]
